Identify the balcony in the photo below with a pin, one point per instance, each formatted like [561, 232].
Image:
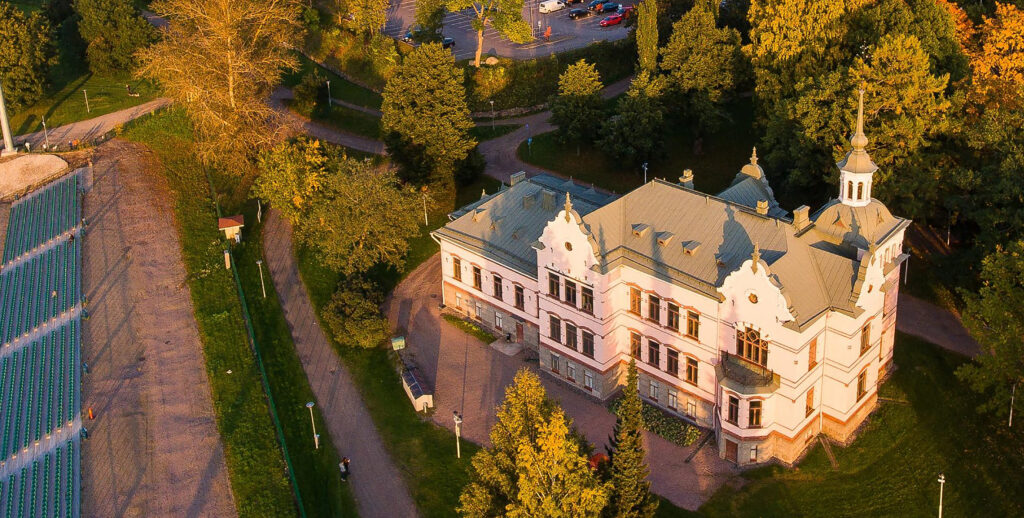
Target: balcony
[745, 377]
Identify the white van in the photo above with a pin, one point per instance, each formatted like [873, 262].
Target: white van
[551, 6]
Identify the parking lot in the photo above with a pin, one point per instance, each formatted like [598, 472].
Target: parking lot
[565, 33]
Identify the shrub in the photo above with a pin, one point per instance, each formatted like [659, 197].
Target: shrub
[670, 428]
[309, 91]
[353, 314]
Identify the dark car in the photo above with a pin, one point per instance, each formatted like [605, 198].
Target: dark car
[593, 4]
[578, 13]
[448, 43]
[609, 7]
[570, 2]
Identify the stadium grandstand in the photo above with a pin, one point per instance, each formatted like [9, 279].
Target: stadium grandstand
[40, 366]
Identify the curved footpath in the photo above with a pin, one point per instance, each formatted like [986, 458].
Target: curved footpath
[90, 129]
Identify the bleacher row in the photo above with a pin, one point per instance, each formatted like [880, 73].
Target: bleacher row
[38, 290]
[37, 389]
[40, 358]
[44, 489]
[41, 217]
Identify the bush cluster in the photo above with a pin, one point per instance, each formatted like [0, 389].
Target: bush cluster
[670, 428]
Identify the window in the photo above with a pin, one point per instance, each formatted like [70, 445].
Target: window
[691, 408]
[588, 380]
[477, 278]
[570, 292]
[520, 297]
[862, 384]
[458, 300]
[570, 370]
[652, 389]
[654, 308]
[479, 311]
[673, 316]
[634, 345]
[860, 190]
[753, 453]
[588, 300]
[849, 190]
[809, 405]
[812, 354]
[634, 301]
[691, 370]
[672, 365]
[498, 291]
[570, 336]
[749, 345]
[673, 399]
[588, 344]
[653, 353]
[734, 410]
[754, 415]
[555, 362]
[497, 320]
[457, 268]
[553, 286]
[556, 329]
[865, 338]
[692, 323]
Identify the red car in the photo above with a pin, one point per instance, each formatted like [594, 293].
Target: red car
[614, 19]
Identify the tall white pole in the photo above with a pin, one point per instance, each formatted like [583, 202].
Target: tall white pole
[458, 434]
[1012, 394]
[329, 101]
[259, 263]
[316, 437]
[87, 110]
[46, 134]
[425, 222]
[5, 126]
[942, 485]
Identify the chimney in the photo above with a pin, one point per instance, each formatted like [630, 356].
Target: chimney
[516, 178]
[547, 200]
[687, 179]
[800, 217]
[762, 207]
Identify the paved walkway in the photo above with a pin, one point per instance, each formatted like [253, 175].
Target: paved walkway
[934, 324]
[90, 128]
[471, 377]
[320, 131]
[376, 482]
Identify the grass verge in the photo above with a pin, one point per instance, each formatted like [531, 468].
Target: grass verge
[341, 88]
[470, 328]
[340, 118]
[484, 131]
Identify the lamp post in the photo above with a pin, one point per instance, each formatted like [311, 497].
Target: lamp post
[458, 433]
[492, 115]
[1013, 393]
[46, 134]
[942, 485]
[259, 263]
[316, 437]
[424, 191]
[329, 102]
[645, 172]
[86, 94]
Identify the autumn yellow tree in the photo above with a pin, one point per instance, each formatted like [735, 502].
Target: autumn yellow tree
[221, 59]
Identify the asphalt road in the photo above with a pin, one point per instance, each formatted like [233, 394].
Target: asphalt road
[566, 34]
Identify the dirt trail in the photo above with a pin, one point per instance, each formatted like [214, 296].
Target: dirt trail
[154, 449]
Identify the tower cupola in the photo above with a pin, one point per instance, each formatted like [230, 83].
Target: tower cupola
[856, 171]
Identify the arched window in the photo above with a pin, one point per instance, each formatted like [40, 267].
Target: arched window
[860, 190]
[749, 345]
[849, 190]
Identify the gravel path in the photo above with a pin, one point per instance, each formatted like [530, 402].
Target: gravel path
[376, 482]
[934, 324]
[90, 128]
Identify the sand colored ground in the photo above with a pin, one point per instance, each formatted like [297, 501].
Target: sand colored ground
[154, 449]
[21, 172]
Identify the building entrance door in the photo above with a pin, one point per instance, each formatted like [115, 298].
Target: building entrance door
[519, 332]
[731, 451]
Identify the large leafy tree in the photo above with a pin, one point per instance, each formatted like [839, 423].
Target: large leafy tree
[577, 109]
[702, 62]
[647, 35]
[425, 116]
[26, 54]
[631, 492]
[368, 16]
[221, 59]
[995, 317]
[634, 133]
[291, 175]
[505, 16]
[353, 313]
[430, 18]
[113, 30]
[360, 217]
[534, 467]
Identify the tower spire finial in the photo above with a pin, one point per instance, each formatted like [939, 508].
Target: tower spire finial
[568, 206]
[753, 156]
[860, 140]
[756, 256]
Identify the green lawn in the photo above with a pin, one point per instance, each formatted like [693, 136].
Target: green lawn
[340, 117]
[64, 101]
[341, 88]
[891, 469]
[484, 131]
[723, 154]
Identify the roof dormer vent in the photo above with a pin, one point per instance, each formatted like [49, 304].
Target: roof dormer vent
[640, 229]
[664, 238]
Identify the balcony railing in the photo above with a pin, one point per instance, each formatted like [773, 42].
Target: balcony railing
[746, 374]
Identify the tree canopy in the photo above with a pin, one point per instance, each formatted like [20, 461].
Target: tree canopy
[113, 31]
[353, 313]
[26, 54]
[631, 492]
[634, 133]
[368, 16]
[505, 16]
[577, 109]
[647, 35]
[291, 175]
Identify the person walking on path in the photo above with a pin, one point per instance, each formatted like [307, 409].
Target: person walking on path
[343, 465]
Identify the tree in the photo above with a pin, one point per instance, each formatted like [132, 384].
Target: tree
[221, 59]
[631, 492]
[634, 133]
[425, 116]
[353, 314]
[998, 63]
[113, 31]
[647, 35]
[702, 62]
[291, 175]
[368, 16]
[505, 16]
[995, 318]
[26, 54]
[577, 109]
[360, 217]
[430, 19]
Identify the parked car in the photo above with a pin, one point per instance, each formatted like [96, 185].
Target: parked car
[570, 2]
[592, 6]
[448, 43]
[550, 6]
[626, 9]
[614, 19]
[578, 13]
[609, 7]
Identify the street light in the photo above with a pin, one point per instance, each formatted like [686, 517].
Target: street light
[87, 110]
[942, 485]
[259, 263]
[458, 433]
[492, 115]
[316, 437]
[645, 172]
[329, 102]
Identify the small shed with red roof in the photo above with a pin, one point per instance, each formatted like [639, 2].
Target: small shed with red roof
[231, 226]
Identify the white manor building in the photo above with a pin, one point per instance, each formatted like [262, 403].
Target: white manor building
[767, 328]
